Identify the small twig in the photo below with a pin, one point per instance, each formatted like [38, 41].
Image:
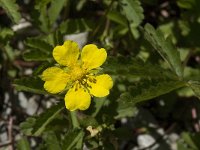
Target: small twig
[7, 143]
[102, 22]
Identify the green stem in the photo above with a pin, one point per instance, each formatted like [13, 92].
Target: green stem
[74, 119]
[101, 103]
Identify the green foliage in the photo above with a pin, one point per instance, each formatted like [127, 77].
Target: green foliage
[23, 144]
[134, 14]
[165, 47]
[45, 118]
[153, 58]
[189, 142]
[12, 9]
[75, 26]
[36, 126]
[73, 140]
[195, 85]
[146, 90]
[133, 11]
[30, 84]
[51, 140]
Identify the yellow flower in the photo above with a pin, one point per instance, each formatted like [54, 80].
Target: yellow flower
[77, 74]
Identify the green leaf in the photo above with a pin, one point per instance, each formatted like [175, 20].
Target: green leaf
[136, 67]
[146, 90]
[39, 44]
[133, 11]
[36, 55]
[189, 140]
[186, 4]
[195, 86]
[6, 32]
[23, 144]
[73, 139]
[75, 26]
[30, 84]
[88, 121]
[27, 126]
[51, 141]
[128, 111]
[117, 17]
[12, 9]
[45, 118]
[10, 52]
[165, 48]
[55, 9]
[41, 68]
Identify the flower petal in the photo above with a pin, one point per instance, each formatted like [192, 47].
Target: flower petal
[67, 54]
[101, 87]
[77, 99]
[56, 79]
[92, 57]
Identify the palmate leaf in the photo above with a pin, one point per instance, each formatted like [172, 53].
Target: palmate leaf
[30, 84]
[146, 90]
[11, 8]
[165, 48]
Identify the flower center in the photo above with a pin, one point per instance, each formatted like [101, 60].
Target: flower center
[77, 73]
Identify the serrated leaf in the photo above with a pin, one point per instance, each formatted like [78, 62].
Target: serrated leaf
[55, 9]
[45, 118]
[164, 47]
[12, 9]
[136, 67]
[123, 112]
[27, 126]
[30, 84]
[39, 44]
[195, 86]
[36, 55]
[133, 11]
[73, 139]
[146, 90]
[23, 144]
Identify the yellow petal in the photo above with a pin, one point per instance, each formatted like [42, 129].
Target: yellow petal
[56, 79]
[67, 54]
[101, 86]
[92, 57]
[77, 98]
